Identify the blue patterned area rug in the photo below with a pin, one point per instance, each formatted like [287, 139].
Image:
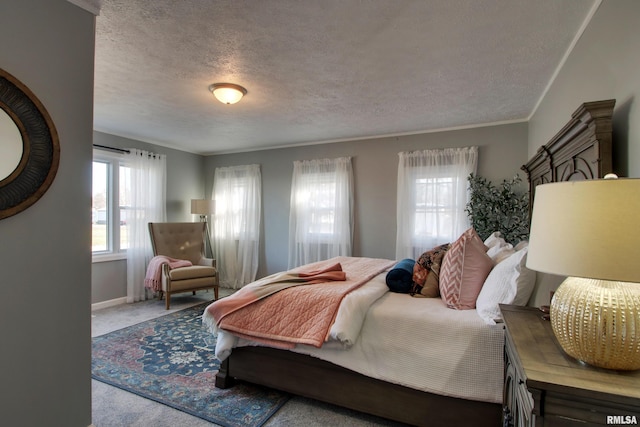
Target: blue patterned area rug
[171, 360]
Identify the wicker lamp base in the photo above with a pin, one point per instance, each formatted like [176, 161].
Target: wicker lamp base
[598, 322]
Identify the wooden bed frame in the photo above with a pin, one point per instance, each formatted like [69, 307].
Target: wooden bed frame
[581, 150]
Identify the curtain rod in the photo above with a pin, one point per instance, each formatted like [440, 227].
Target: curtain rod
[122, 150]
[104, 147]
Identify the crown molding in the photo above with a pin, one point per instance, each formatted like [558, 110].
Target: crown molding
[92, 6]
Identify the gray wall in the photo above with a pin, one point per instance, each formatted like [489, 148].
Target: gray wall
[44, 257]
[503, 149]
[605, 64]
[185, 173]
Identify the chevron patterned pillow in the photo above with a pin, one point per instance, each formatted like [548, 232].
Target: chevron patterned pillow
[464, 269]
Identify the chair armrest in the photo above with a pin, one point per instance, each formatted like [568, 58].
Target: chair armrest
[209, 262]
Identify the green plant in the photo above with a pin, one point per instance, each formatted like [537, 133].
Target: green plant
[503, 208]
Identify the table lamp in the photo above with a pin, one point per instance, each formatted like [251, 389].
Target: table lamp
[590, 231]
[204, 207]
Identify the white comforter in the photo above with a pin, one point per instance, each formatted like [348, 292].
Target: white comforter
[415, 342]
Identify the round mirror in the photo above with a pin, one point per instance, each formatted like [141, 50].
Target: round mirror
[10, 145]
[29, 147]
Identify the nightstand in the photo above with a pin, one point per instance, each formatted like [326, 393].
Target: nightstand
[543, 386]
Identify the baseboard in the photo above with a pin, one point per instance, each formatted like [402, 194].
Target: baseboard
[109, 303]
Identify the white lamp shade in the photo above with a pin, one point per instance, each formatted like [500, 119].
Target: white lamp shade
[587, 229]
[203, 206]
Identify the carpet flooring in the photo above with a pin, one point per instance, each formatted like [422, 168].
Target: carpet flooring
[115, 407]
[171, 360]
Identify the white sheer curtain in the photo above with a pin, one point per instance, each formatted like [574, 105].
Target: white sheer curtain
[321, 210]
[237, 192]
[147, 203]
[432, 196]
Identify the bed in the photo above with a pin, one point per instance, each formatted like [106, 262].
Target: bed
[461, 385]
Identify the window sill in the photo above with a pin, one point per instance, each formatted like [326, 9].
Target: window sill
[108, 257]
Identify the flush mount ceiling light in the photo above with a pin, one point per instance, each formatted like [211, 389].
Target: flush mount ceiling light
[227, 93]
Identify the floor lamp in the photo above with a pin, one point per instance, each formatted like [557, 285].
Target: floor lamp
[204, 207]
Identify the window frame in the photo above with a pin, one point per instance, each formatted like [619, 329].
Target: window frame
[432, 186]
[114, 162]
[442, 224]
[322, 182]
[234, 206]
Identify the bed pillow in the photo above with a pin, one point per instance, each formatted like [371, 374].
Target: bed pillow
[428, 265]
[499, 249]
[510, 282]
[527, 279]
[494, 239]
[464, 269]
[522, 244]
[400, 277]
[499, 253]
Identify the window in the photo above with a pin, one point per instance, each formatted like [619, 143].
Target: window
[432, 197]
[237, 191]
[321, 217]
[235, 203]
[435, 210]
[316, 195]
[110, 204]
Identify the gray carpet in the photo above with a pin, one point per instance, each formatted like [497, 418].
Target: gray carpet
[113, 407]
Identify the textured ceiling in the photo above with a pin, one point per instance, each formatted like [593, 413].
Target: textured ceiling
[322, 70]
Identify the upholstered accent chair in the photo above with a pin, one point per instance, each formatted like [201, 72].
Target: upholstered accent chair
[183, 241]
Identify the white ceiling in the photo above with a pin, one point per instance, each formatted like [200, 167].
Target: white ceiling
[323, 70]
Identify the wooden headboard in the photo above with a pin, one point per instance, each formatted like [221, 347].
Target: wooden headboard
[581, 150]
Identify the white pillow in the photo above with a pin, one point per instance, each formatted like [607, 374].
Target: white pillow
[499, 249]
[494, 239]
[510, 282]
[499, 253]
[523, 244]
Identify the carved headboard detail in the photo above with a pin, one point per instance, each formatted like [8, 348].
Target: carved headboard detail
[581, 150]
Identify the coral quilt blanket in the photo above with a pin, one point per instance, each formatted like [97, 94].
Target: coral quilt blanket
[302, 303]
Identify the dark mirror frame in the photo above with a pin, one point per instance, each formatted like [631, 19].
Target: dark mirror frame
[41, 148]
